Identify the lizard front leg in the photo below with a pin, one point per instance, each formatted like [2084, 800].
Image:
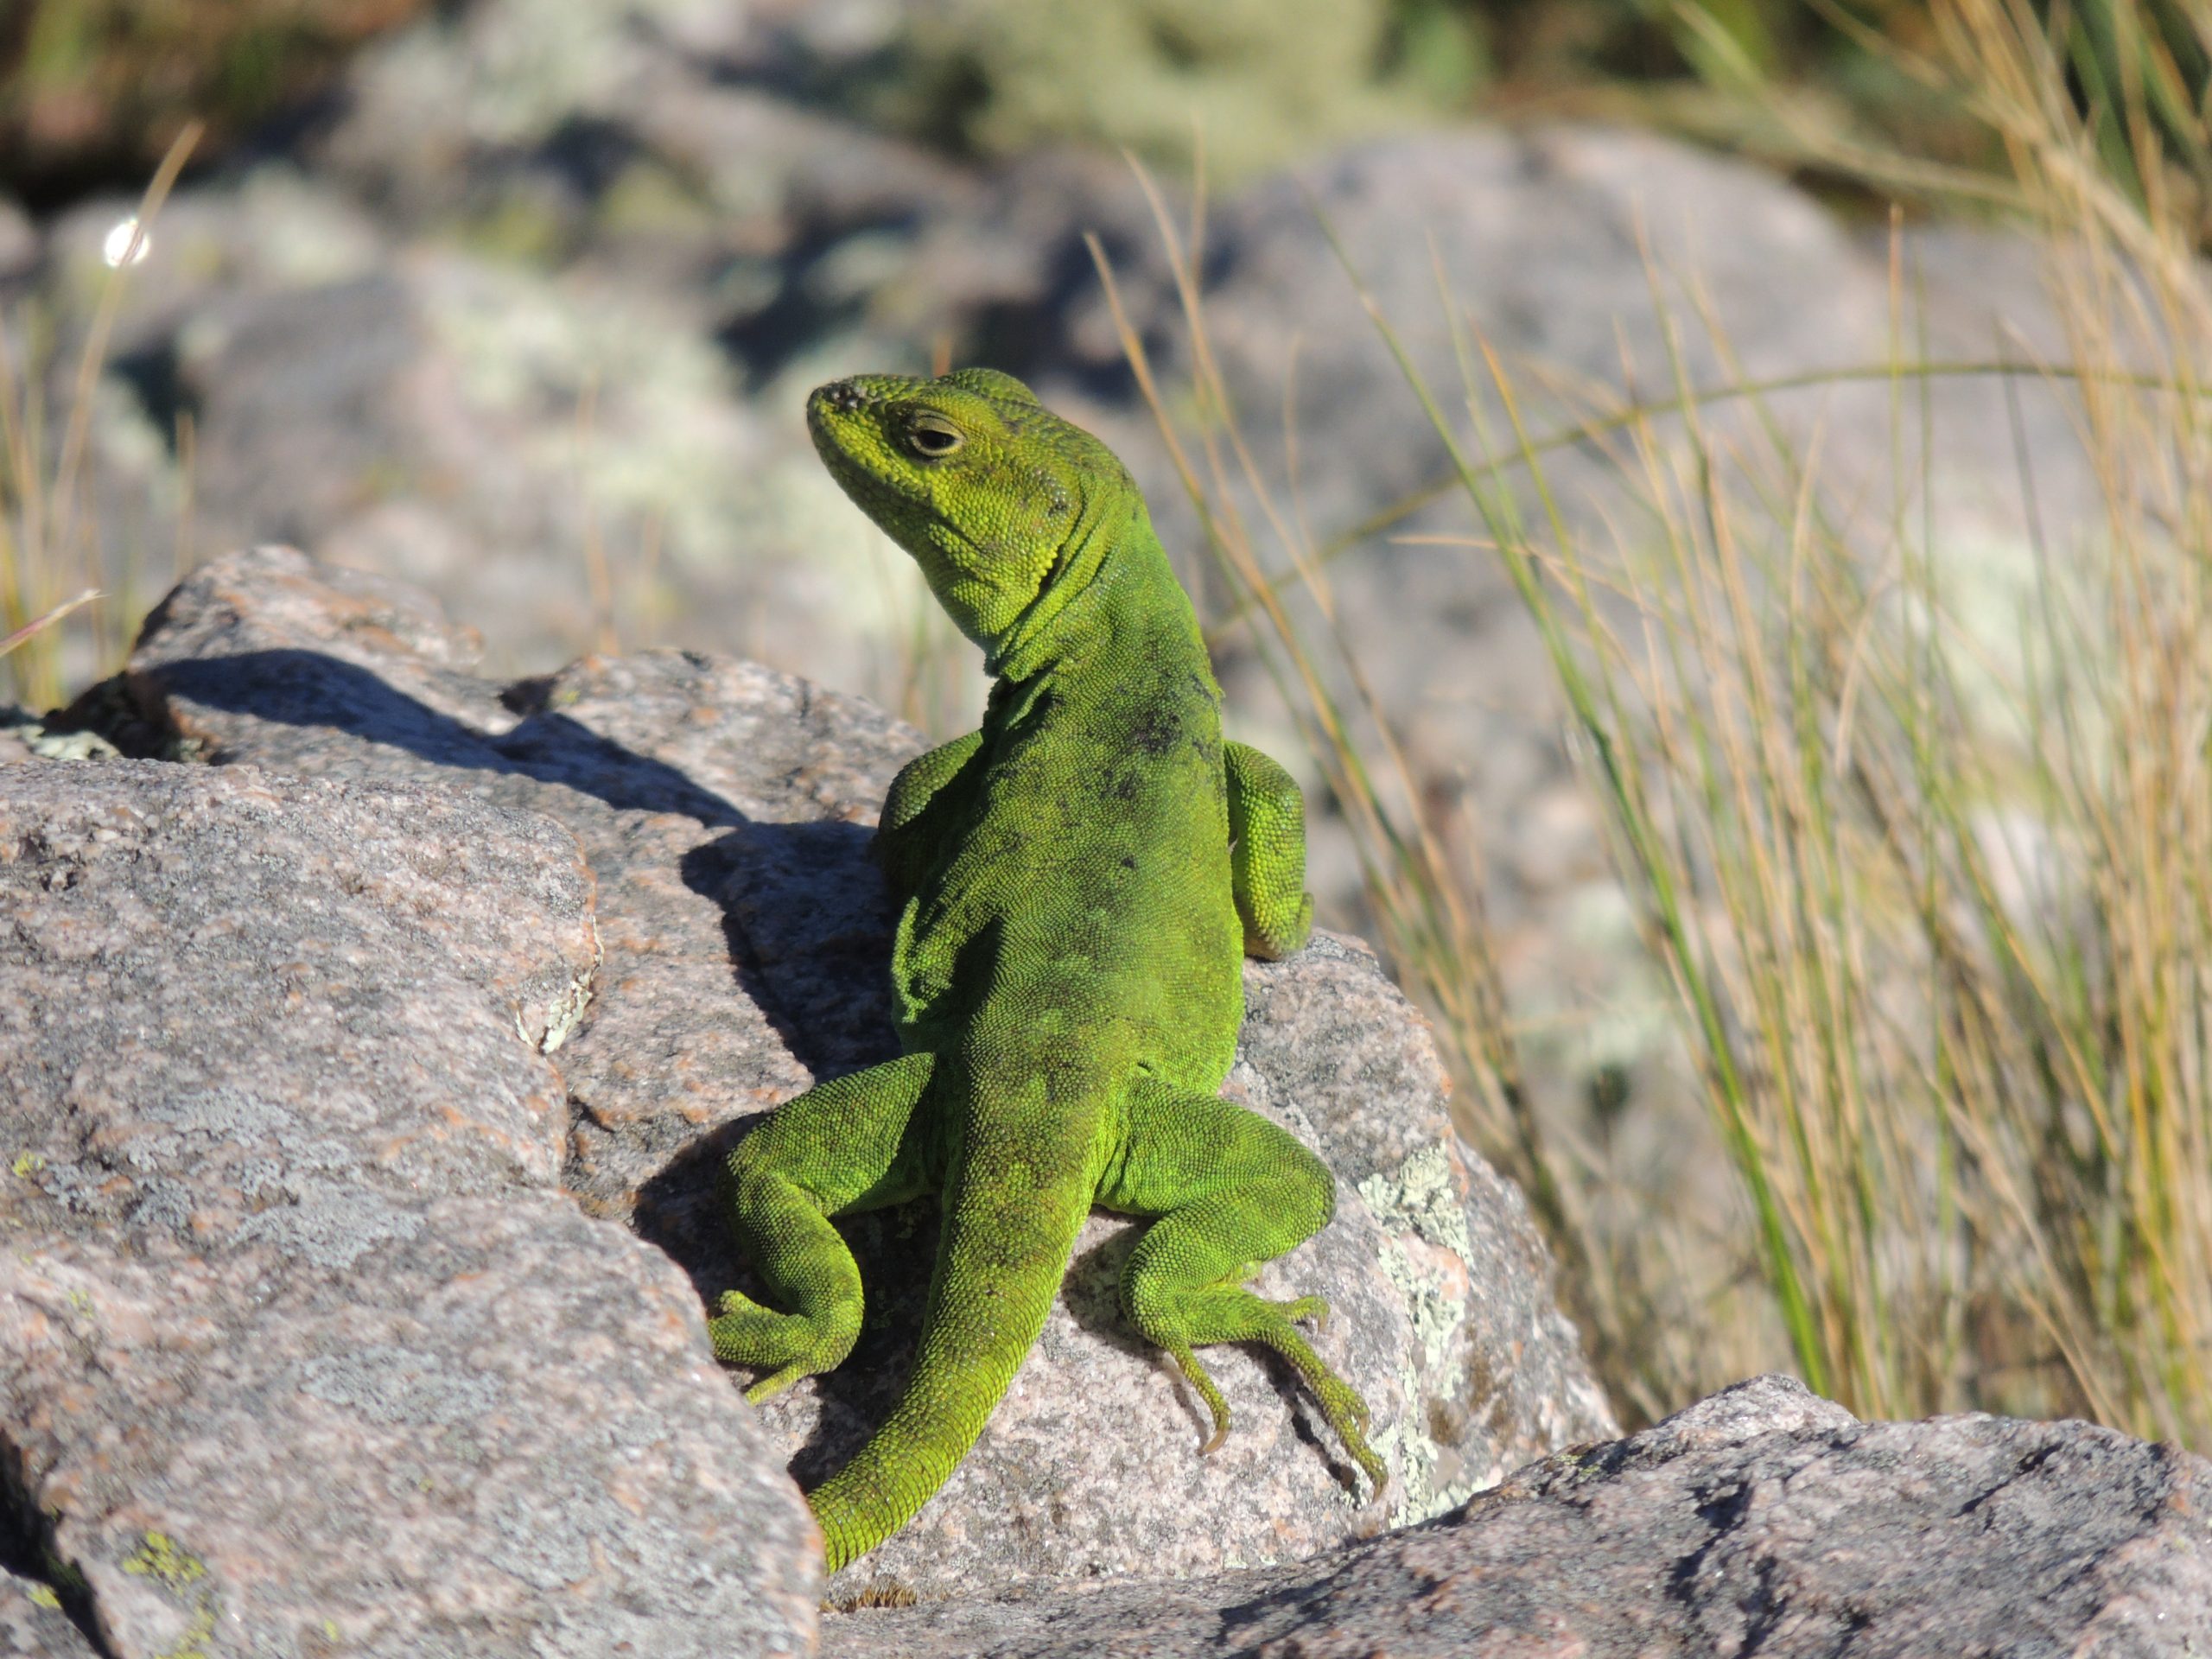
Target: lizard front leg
[1267, 857]
[926, 792]
[841, 1146]
[1230, 1191]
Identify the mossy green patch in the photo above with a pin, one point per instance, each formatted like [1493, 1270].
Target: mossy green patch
[158, 1558]
[183, 1574]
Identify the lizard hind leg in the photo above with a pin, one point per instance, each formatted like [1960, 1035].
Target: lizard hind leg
[1230, 1190]
[842, 1145]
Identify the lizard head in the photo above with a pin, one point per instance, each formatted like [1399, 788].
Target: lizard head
[989, 490]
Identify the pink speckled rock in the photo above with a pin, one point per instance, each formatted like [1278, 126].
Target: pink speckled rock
[33, 1624]
[494, 1430]
[722, 807]
[301, 1349]
[229, 990]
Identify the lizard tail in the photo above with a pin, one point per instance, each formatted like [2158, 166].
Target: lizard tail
[1010, 1217]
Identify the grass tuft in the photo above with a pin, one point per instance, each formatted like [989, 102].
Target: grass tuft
[1925, 870]
[53, 597]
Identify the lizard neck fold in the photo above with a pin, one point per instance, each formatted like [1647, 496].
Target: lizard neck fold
[1103, 568]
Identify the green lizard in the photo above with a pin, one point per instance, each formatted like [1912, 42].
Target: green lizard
[1078, 878]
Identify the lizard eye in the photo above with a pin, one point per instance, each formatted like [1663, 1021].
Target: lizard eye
[934, 439]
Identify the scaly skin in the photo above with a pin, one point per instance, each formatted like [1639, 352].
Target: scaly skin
[1078, 879]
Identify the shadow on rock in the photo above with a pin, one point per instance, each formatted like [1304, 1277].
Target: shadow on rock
[806, 922]
[820, 971]
[309, 689]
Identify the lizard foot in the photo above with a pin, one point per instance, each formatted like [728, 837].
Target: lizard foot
[1226, 1313]
[789, 1346]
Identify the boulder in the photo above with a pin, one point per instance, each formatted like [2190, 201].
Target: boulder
[300, 1342]
[1586, 258]
[723, 810]
[1762, 1521]
[303, 1345]
[481, 1425]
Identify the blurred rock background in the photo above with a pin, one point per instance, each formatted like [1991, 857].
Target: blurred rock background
[518, 300]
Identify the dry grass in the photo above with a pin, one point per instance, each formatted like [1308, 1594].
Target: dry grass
[1934, 914]
[53, 610]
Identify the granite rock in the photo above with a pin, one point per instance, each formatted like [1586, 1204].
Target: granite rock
[1762, 1521]
[1586, 258]
[722, 808]
[723, 811]
[493, 1430]
[302, 1348]
[217, 1020]
[33, 1624]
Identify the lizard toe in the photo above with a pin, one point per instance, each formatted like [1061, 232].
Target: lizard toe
[774, 1384]
[1196, 1374]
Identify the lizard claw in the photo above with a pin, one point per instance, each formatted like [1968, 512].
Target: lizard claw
[1198, 1379]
